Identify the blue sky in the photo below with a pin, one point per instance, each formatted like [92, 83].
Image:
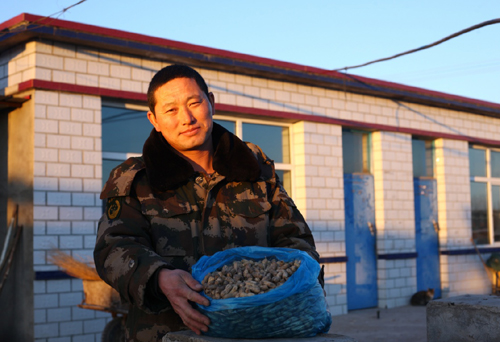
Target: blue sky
[320, 33]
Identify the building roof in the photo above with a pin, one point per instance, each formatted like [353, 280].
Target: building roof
[26, 27]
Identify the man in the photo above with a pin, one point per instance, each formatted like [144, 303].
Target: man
[196, 190]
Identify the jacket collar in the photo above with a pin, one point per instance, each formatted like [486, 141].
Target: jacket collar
[166, 170]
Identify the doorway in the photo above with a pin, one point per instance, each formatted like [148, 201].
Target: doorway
[360, 230]
[426, 217]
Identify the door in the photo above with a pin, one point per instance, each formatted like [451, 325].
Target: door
[427, 235]
[360, 241]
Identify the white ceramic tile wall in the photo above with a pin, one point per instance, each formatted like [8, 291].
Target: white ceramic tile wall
[394, 216]
[66, 184]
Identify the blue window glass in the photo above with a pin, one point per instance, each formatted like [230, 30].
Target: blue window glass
[479, 208]
[229, 125]
[477, 162]
[273, 140]
[124, 130]
[356, 151]
[418, 154]
[286, 179]
[495, 198]
[495, 164]
[423, 159]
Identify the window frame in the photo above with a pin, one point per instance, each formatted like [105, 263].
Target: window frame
[239, 133]
[489, 181]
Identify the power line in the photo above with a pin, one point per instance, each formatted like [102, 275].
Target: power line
[63, 10]
[56, 14]
[475, 27]
[446, 75]
[441, 72]
[469, 66]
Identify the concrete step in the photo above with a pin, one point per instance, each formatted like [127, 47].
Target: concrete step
[464, 318]
[189, 336]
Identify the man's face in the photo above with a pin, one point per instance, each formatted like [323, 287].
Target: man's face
[183, 115]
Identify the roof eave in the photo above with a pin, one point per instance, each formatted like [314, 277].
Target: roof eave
[172, 51]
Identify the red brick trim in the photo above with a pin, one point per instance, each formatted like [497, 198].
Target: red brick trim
[73, 88]
[295, 117]
[289, 116]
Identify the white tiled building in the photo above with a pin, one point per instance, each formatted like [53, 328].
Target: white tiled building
[70, 92]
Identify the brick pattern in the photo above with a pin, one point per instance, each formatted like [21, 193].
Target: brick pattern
[464, 274]
[274, 95]
[454, 210]
[453, 182]
[66, 63]
[394, 216]
[393, 182]
[71, 64]
[57, 316]
[318, 192]
[66, 208]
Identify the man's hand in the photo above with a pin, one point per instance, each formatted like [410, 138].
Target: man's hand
[181, 289]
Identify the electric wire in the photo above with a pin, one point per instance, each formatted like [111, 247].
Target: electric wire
[472, 28]
[447, 74]
[458, 68]
[26, 28]
[441, 72]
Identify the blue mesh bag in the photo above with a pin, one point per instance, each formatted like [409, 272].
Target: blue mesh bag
[295, 309]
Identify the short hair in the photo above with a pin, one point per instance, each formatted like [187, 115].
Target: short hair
[168, 74]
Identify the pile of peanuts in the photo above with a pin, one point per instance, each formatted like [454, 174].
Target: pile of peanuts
[248, 277]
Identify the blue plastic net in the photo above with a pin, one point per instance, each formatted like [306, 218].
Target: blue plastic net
[295, 309]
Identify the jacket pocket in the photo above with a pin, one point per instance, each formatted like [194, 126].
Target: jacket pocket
[248, 222]
[170, 221]
[249, 208]
[168, 208]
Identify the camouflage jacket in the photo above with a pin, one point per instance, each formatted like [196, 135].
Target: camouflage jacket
[160, 213]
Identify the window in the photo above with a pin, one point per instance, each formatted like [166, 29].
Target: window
[484, 166]
[356, 151]
[125, 128]
[423, 158]
[272, 138]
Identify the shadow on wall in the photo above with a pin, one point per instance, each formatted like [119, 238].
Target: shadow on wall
[98, 54]
[404, 106]
[16, 324]
[16, 188]
[283, 105]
